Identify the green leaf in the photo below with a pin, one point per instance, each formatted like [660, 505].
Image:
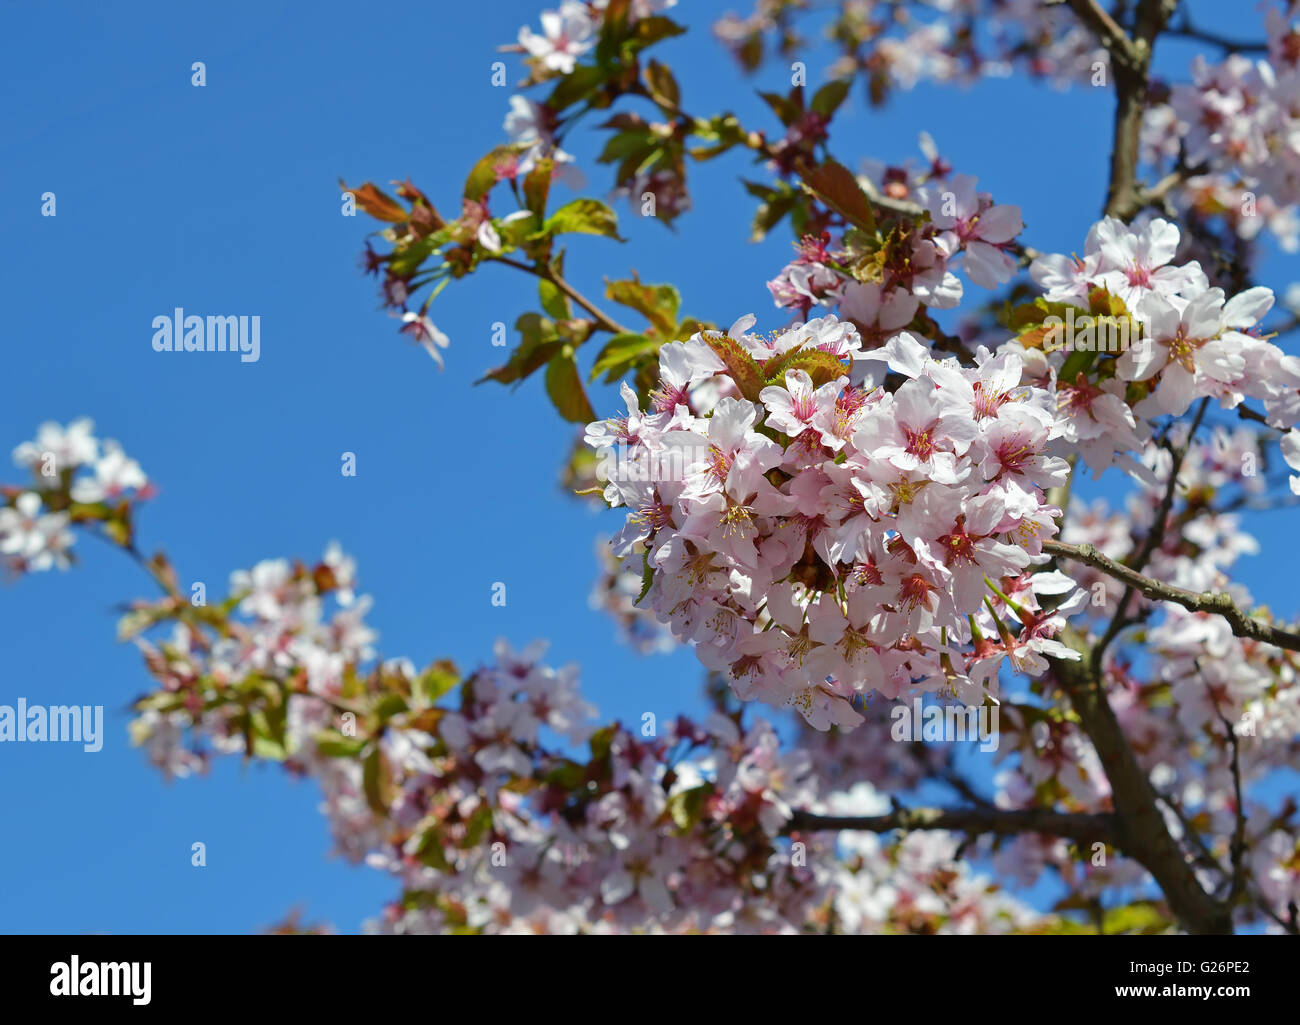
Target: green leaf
[658, 303]
[601, 741]
[739, 363]
[646, 31]
[479, 825]
[613, 29]
[819, 365]
[635, 143]
[663, 86]
[541, 342]
[268, 729]
[621, 353]
[1032, 314]
[377, 781]
[834, 185]
[724, 131]
[686, 806]
[1142, 917]
[515, 232]
[408, 258]
[438, 679]
[553, 301]
[828, 98]
[651, 30]
[1076, 363]
[484, 174]
[786, 108]
[587, 216]
[566, 774]
[647, 576]
[429, 850]
[769, 214]
[333, 744]
[584, 80]
[564, 386]
[118, 528]
[537, 185]
[390, 705]
[774, 367]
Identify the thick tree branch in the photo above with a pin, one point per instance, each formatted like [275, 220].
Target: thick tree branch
[1194, 601]
[1143, 833]
[1130, 62]
[999, 821]
[1108, 30]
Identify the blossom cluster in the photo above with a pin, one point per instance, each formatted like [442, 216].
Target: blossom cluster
[615, 591]
[75, 477]
[1238, 124]
[1191, 342]
[820, 540]
[478, 795]
[911, 268]
[572, 31]
[299, 627]
[482, 809]
[895, 49]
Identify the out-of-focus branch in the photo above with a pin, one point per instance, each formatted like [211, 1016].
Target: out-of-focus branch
[1186, 30]
[999, 821]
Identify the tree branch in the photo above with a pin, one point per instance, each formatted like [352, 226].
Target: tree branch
[1108, 30]
[549, 273]
[1130, 61]
[999, 821]
[1143, 833]
[1151, 542]
[1238, 848]
[1185, 30]
[1219, 604]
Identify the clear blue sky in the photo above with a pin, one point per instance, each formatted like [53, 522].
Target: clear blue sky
[224, 200]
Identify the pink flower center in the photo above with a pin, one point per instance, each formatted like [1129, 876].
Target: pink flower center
[867, 574]
[914, 590]
[987, 402]
[920, 443]
[719, 464]
[959, 546]
[804, 407]
[847, 406]
[668, 398]
[1139, 276]
[1013, 453]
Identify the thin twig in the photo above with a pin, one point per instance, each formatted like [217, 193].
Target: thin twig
[1152, 541]
[548, 273]
[1238, 847]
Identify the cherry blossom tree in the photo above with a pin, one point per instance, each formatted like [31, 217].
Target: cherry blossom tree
[868, 505]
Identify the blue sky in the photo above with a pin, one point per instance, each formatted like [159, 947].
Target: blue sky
[224, 200]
